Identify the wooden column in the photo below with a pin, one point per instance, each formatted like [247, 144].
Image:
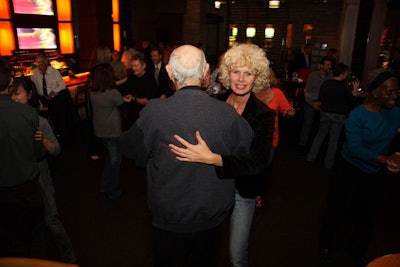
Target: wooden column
[348, 33]
[375, 32]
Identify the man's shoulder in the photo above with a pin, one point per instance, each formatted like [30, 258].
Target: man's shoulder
[50, 69]
[15, 109]
[24, 107]
[314, 74]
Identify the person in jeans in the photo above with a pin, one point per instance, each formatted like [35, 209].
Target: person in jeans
[334, 101]
[188, 202]
[106, 104]
[24, 92]
[311, 93]
[244, 71]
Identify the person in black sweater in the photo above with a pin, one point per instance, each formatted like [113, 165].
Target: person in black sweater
[334, 100]
[142, 86]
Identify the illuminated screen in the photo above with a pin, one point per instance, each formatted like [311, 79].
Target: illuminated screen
[36, 38]
[33, 7]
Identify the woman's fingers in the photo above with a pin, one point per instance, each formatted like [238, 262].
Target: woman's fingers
[182, 141]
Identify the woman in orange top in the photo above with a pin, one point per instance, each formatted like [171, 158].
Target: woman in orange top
[276, 100]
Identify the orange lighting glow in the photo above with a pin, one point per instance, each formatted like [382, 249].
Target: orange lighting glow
[115, 10]
[64, 10]
[66, 38]
[5, 10]
[289, 35]
[7, 43]
[117, 36]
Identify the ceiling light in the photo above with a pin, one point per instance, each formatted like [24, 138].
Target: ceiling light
[273, 4]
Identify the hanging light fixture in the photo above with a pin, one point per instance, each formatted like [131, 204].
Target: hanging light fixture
[273, 4]
[217, 4]
[250, 32]
[269, 31]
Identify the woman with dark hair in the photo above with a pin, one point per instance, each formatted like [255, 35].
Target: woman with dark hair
[24, 91]
[365, 162]
[106, 103]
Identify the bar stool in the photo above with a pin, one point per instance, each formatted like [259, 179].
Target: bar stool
[390, 260]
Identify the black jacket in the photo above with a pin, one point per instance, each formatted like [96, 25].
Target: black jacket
[249, 169]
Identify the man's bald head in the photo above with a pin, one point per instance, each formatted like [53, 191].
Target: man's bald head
[187, 65]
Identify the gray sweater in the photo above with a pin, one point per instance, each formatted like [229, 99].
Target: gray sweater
[106, 114]
[186, 197]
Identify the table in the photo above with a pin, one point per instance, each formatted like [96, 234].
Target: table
[78, 88]
[294, 90]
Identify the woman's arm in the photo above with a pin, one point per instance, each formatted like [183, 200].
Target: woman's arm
[46, 136]
[233, 165]
[199, 153]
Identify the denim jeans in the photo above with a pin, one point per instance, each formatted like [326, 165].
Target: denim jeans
[332, 123]
[53, 223]
[241, 220]
[110, 176]
[308, 121]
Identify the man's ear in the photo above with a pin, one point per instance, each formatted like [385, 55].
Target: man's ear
[168, 69]
[9, 85]
[206, 70]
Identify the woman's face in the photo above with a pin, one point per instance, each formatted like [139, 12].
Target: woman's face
[20, 96]
[241, 80]
[387, 93]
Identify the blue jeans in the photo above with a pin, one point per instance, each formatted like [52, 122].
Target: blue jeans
[241, 220]
[308, 121]
[53, 223]
[110, 176]
[332, 123]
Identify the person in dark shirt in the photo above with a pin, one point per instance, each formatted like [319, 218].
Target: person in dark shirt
[244, 71]
[334, 100]
[22, 214]
[142, 86]
[188, 202]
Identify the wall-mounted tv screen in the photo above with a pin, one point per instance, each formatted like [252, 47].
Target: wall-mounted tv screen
[36, 38]
[33, 7]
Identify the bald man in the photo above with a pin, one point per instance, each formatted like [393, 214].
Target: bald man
[188, 201]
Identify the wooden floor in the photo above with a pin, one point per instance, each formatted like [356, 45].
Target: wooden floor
[117, 233]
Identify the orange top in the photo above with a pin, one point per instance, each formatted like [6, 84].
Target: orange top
[278, 103]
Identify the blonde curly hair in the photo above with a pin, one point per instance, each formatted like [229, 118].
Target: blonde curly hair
[248, 55]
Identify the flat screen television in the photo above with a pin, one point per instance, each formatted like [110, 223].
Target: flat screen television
[33, 7]
[36, 38]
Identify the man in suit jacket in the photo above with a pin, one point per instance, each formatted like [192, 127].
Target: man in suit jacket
[165, 86]
[303, 60]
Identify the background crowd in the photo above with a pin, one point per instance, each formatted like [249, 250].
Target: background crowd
[207, 158]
